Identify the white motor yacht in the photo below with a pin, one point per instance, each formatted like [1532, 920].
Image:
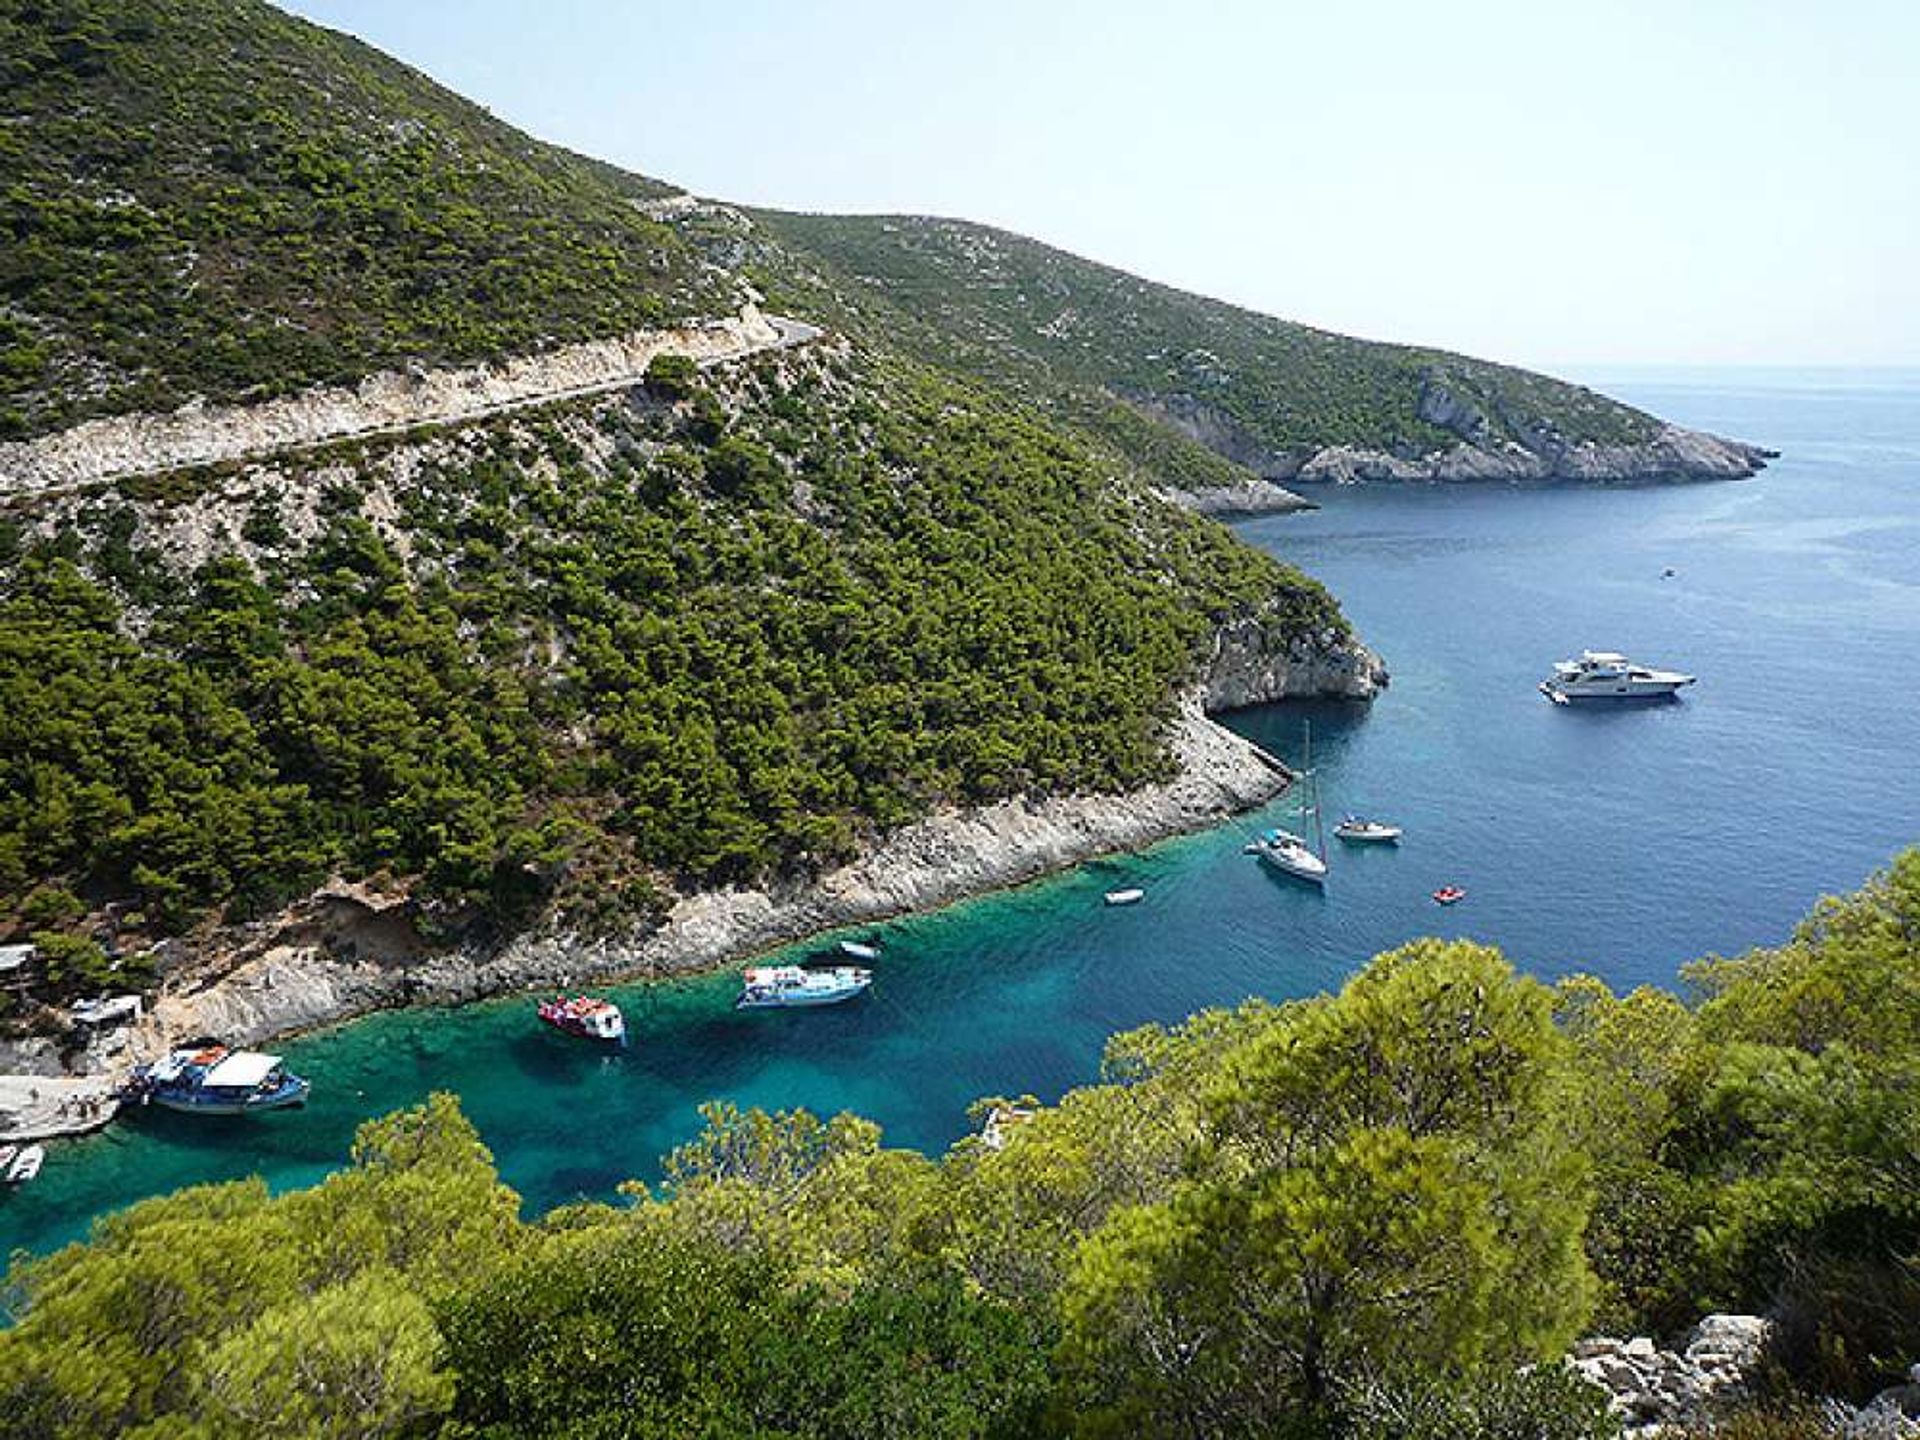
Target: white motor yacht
[1359, 831]
[1607, 675]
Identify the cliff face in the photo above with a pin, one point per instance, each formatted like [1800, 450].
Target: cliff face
[1674, 454]
[1247, 668]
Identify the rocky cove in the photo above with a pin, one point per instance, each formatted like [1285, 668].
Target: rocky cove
[349, 950]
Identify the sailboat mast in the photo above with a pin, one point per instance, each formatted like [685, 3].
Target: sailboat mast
[1313, 793]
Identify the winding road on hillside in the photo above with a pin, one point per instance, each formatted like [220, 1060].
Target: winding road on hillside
[387, 404]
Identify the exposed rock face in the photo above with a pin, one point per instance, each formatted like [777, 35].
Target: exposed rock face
[1674, 453]
[1219, 432]
[1245, 669]
[1893, 1414]
[1255, 497]
[131, 445]
[1438, 405]
[1649, 1387]
[325, 964]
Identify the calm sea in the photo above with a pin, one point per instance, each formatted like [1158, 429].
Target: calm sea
[1624, 842]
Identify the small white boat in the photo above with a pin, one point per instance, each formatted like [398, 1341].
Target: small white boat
[1359, 831]
[26, 1165]
[1132, 895]
[1609, 675]
[860, 950]
[773, 987]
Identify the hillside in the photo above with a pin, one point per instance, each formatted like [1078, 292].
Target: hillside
[558, 666]
[221, 201]
[1105, 349]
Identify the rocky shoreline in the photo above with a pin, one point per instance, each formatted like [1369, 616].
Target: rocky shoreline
[1675, 454]
[1671, 453]
[328, 971]
[346, 951]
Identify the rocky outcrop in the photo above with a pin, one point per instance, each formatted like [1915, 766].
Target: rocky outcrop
[1656, 1392]
[333, 959]
[1893, 1414]
[1538, 455]
[1220, 433]
[1253, 497]
[1649, 1388]
[1673, 454]
[387, 403]
[1246, 668]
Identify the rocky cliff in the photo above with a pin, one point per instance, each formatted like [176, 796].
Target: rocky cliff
[1246, 668]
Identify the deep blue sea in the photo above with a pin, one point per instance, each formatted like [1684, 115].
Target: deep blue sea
[1624, 842]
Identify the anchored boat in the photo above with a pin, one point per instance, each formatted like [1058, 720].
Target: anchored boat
[1287, 852]
[1290, 855]
[218, 1081]
[773, 987]
[22, 1167]
[1131, 895]
[1608, 675]
[1358, 831]
[586, 1017]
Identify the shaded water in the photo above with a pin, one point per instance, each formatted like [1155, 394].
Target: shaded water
[1621, 841]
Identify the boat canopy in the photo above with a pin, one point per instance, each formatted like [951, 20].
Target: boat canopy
[242, 1070]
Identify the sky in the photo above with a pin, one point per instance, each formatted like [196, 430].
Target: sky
[1543, 182]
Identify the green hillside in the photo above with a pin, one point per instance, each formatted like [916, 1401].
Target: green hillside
[591, 656]
[1024, 315]
[210, 197]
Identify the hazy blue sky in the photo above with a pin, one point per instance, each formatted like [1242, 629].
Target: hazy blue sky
[1533, 180]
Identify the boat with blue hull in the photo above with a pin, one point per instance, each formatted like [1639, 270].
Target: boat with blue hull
[218, 1081]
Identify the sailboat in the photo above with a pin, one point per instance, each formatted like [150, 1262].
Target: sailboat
[1289, 853]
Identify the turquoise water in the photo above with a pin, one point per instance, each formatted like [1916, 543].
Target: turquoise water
[1625, 842]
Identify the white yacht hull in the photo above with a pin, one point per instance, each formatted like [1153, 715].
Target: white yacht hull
[1654, 687]
[1308, 866]
[1371, 835]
